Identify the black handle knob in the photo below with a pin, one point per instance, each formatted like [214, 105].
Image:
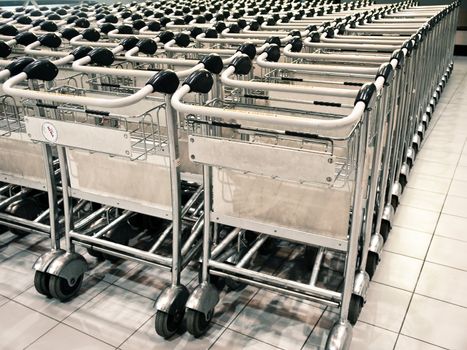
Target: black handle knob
[165, 36]
[41, 70]
[147, 46]
[91, 34]
[165, 82]
[387, 72]
[101, 56]
[366, 94]
[25, 38]
[81, 52]
[273, 53]
[248, 49]
[213, 63]
[50, 40]
[200, 81]
[5, 50]
[242, 64]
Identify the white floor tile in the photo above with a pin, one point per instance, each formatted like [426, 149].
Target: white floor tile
[455, 206]
[449, 252]
[113, 315]
[415, 218]
[146, 338]
[408, 242]
[368, 337]
[385, 306]
[452, 227]
[398, 271]
[458, 188]
[3, 300]
[422, 199]
[54, 308]
[429, 183]
[461, 173]
[406, 343]
[443, 283]
[8, 250]
[463, 160]
[108, 271]
[21, 326]
[277, 320]
[233, 340]
[16, 274]
[436, 322]
[64, 337]
[431, 168]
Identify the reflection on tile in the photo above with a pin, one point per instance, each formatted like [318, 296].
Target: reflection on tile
[417, 219]
[16, 274]
[444, 283]
[455, 206]
[56, 309]
[64, 337]
[234, 340]
[449, 252]
[277, 320]
[106, 270]
[429, 183]
[368, 337]
[113, 315]
[422, 199]
[398, 271]
[317, 339]
[405, 343]
[231, 303]
[150, 281]
[385, 306]
[146, 338]
[408, 242]
[452, 227]
[436, 322]
[20, 326]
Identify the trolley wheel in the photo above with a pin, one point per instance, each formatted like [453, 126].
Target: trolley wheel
[198, 323]
[385, 229]
[41, 283]
[60, 289]
[409, 162]
[26, 208]
[355, 308]
[166, 324]
[403, 181]
[415, 148]
[371, 263]
[394, 201]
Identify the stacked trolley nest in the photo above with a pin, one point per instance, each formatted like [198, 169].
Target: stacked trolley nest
[214, 135]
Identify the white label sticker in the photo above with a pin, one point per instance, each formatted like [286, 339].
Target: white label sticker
[50, 132]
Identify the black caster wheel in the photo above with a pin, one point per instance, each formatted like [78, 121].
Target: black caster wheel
[385, 229]
[355, 308]
[394, 201]
[198, 323]
[371, 263]
[167, 325]
[41, 283]
[415, 148]
[120, 235]
[60, 289]
[27, 208]
[409, 162]
[403, 181]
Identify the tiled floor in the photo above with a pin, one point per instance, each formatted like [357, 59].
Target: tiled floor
[417, 300]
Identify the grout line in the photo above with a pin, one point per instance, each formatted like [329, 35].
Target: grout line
[441, 300]
[424, 341]
[249, 336]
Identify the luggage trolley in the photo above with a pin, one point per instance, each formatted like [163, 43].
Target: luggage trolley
[250, 195]
[143, 148]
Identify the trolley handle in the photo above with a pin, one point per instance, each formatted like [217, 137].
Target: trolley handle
[165, 82]
[199, 81]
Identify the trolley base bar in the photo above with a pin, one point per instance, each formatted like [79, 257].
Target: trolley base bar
[247, 276]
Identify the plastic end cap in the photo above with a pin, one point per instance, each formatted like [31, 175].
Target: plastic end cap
[147, 46]
[242, 64]
[399, 56]
[273, 53]
[366, 94]
[213, 63]
[164, 82]
[248, 49]
[182, 39]
[80, 52]
[25, 38]
[165, 36]
[315, 37]
[18, 65]
[296, 44]
[50, 40]
[5, 50]
[41, 70]
[101, 56]
[91, 34]
[387, 72]
[69, 33]
[200, 81]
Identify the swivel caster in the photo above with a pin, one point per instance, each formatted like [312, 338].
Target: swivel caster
[170, 306]
[385, 229]
[403, 180]
[355, 308]
[394, 201]
[197, 323]
[372, 262]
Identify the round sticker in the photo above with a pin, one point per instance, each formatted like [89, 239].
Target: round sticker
[50, 132]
